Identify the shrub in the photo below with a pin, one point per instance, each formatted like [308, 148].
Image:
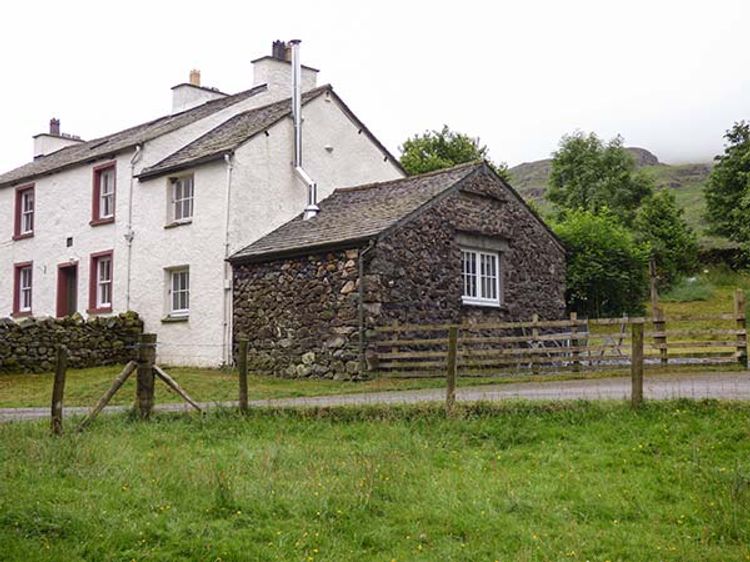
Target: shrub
[674, 245]
[689, 289]
[607, 267]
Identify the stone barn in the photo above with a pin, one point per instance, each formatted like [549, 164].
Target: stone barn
[456, 245]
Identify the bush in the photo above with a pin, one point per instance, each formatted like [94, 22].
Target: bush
[674, 245]
[607, 268]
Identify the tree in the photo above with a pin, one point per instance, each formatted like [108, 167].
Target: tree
[606, 266]
[435, 150]
[589, 174]
[674, 245]
[728, 188]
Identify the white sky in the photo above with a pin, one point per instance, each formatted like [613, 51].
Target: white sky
[670, 76]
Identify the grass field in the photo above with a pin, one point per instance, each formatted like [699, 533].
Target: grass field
[578, 481]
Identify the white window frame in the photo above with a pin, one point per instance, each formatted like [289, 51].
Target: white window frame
[27, 211]
[182, 206]
[25, 287]
[475, 278]
[104, 283]
[173, 293]
[106, 198]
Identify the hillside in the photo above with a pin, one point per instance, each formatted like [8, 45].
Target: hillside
[685, 180]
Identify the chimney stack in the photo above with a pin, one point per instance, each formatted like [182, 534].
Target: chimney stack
[195, 77]
[54, 126]
[54, 140]
[273, 70]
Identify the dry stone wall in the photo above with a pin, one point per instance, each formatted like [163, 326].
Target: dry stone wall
[29, 344]
[300, 315]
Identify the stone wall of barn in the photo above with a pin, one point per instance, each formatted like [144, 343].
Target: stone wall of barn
[300, 315]
[414, 275]
[29, 344]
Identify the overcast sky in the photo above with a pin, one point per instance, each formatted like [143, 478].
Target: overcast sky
[670, 76]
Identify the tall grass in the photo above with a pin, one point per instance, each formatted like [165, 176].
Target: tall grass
[575, 481]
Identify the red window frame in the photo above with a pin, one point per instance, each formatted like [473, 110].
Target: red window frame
[96, 218]
[20, 190]
[94, 281]
[17, 267]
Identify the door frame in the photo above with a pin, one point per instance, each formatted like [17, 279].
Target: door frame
[62, 287]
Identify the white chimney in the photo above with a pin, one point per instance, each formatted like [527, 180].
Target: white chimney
[191, 94]
[275, 70]
[54, 140]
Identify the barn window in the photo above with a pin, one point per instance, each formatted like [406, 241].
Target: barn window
[480, 273]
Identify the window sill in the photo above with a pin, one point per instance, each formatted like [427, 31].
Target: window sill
[23, 236]
[175, 224]
[99, 222]
[21, 314]
[103, 310]
[175, 319]
[486, 304]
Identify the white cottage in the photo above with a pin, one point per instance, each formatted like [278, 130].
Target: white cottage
[144, 219]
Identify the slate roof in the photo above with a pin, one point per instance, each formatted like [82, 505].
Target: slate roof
[111, 144]
[229, 135]
[354, 214]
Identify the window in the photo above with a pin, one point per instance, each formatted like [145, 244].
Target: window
[103, 207]
[100, 282]
[182, 199]
[480, 273]
[24, 227]
[179, 292]
[22, 294]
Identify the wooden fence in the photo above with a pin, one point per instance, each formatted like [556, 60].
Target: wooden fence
[571, 344]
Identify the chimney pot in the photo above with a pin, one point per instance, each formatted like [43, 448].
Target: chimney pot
[195, 77]
[279, 50]
[54, 127]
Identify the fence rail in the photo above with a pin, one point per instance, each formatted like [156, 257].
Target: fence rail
[501, 348]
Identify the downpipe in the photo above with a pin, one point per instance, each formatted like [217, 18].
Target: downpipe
[227, 316]
[129, 234]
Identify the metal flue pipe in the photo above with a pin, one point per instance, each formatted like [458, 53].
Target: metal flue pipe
[312, 208]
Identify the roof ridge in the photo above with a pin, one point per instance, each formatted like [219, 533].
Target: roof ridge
[374, 185]
[233, 119]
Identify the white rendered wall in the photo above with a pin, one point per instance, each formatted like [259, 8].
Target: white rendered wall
[265, 194]
[62, 204]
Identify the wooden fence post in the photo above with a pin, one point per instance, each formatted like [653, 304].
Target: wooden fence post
[739, 313]
[242, 366]
[451, 374]
[636, 364]
[534, 339]
[145, 381]
[660, 326]
[574, 342]
[58, 388]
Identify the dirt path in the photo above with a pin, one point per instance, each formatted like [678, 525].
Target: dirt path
[728, 386]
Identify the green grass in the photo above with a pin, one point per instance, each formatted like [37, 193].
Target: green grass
[578, 481]
[690, 289]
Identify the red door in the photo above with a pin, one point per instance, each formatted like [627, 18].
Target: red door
[67, 289]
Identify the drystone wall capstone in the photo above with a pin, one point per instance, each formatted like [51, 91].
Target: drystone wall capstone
[300, 315]
[29, 345]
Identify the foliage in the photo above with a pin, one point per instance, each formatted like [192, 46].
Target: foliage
[607, 268]
[728, 188]
[576, 481]
[589, 174]
[674, 245]
[435, 150]
[690, 289]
